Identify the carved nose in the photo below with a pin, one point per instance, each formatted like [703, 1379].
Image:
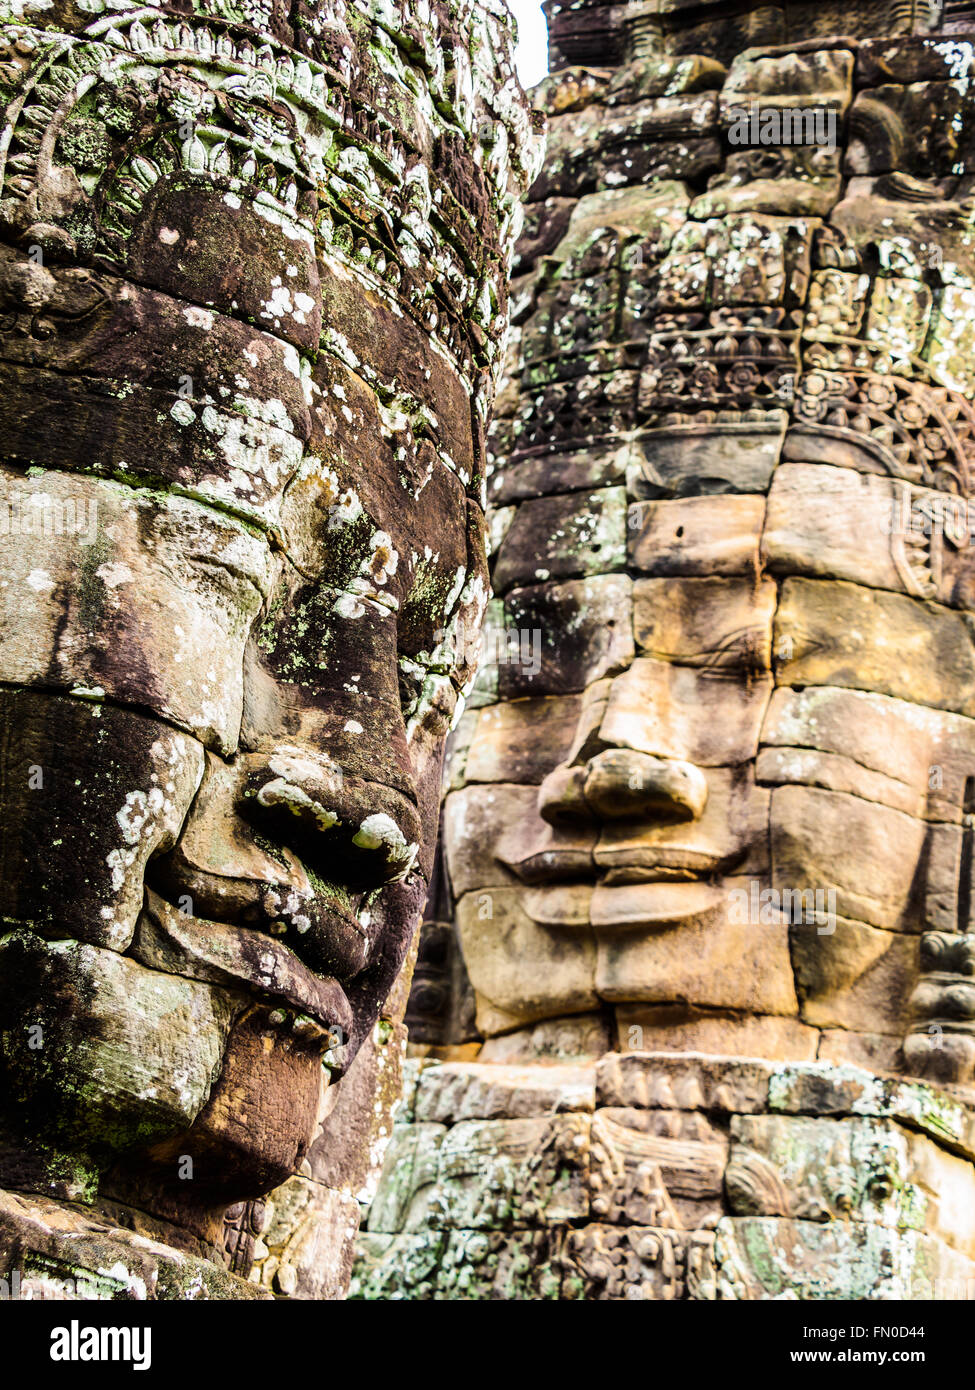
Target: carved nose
[621, 784]
[349, 830]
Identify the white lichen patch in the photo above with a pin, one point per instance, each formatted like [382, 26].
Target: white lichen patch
[199, 318]
[281, 792]
[114, 575]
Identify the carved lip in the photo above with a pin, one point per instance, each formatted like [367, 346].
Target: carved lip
[170, 940]
[575, 866]
[611, 909]
[649, 907]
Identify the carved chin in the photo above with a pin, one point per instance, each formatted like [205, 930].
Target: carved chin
[260, 1118]
[115, 1065]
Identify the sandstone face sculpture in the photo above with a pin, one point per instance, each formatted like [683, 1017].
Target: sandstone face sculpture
[253, 269]
[716, 800]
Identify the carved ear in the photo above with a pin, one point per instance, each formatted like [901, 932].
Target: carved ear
[876, 139]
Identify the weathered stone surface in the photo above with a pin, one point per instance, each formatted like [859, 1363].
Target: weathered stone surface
[909, 128]
[661, 1081]
[109, 781]
[454, 1092]
[500, 1265]
[253, 305]
[468, 815]
[871, 1050]
[829, 522]
[780, 80]
[689, 460]
[348, 1152]
[308, 1242]
[495, 1174]
[698, 536]
[718, 624]
[918, 59]
[732, 829]
[679, 712]
[58, 1252]
[767, 1257]
[523, 740]
[899, 754]
[723, 1033]
[73, 605]
[843, 634]
[543, 964]
[644, 1160]
[610, 1264]
[88, 1038]
[855, 977]
[853, 1170]
[396, 1266]
[586, 150]
[572, 1039]
[469, 1265]
[563, 538]
[538, 851]
[579, 632]
[691, 950]
[410, 1171]
[827, 1090]
[865, 853]
[559, 473]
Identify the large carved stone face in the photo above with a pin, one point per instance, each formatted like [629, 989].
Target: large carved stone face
[718, 786]
[246, 377]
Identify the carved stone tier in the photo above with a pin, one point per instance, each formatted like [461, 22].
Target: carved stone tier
[664, 1176]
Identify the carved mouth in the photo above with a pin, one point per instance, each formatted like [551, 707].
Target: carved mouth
[573, 866]
[314, 1004]
[618, 908]
[647, 907]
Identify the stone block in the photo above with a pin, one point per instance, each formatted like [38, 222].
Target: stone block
[477, 1091]
[850, 1169]
[664, 1081]
[723, 1033]
[573, 633]
[719, 625]
[701, 956]
[522, 741]
[646, 1162]
[836, 633]
[502, 1174]
[708, 536]
[563, 537]
[772, 1257]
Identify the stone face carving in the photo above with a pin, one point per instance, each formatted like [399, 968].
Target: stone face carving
[715, 797]
[253, 265]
